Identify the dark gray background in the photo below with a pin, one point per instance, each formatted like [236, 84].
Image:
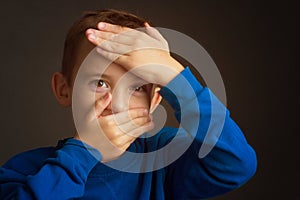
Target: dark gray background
[253, 45]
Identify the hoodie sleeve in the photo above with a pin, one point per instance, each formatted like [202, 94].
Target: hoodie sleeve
[60, 177]
[219, 158]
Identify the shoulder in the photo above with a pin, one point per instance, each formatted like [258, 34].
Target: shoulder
[29, 161]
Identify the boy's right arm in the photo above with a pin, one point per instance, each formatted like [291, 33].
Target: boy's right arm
[60, 177]
[64, 176]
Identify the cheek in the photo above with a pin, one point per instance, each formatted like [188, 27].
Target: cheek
[82, 97]
[139, 101]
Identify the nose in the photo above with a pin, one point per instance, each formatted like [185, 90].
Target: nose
[120, 102]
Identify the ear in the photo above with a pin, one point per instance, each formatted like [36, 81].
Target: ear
[156, 99]
[61, 89]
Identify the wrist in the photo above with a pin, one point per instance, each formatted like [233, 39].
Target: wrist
[169, 71]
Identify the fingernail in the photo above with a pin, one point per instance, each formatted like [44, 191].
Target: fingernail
[91, 36]
[101, 25]
[89, 31]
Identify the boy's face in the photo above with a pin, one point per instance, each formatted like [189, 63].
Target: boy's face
[93, 82]
[128, 91]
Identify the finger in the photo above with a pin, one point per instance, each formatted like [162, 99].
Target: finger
[154, 33]
[111, 48]
[102, 103]
[92, 35]
[124, 140]
[134, 124]
[114, 47]
[121, 139]
[97, 37]
[120, 30]
[141, 130]
[109, 55]
[98, 107]
[128, 115]
[113, 121]
[104, 26]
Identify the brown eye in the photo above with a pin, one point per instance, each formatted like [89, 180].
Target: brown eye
[139, 89]
[102, 83]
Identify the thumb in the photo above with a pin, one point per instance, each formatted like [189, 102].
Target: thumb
[98, 107]
[102, 103]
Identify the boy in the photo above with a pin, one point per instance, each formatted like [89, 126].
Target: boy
[122, 96]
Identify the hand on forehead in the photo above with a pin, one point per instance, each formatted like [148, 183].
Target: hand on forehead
[96, 65]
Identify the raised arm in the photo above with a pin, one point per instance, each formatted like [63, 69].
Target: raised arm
[229, 164]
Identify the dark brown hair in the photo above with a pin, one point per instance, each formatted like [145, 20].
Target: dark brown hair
[90, 19]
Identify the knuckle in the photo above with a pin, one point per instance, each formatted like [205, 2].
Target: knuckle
[118, 143]
[105, 44]
[113, 37]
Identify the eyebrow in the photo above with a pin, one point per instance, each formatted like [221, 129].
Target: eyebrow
[103, 75]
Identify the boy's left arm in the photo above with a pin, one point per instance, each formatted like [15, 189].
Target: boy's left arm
[230, 161]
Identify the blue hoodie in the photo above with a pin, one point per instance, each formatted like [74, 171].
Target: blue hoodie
[72, 170]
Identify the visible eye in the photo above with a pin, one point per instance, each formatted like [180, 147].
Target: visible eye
[102, 84]
[99, 86]
[139, 89]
